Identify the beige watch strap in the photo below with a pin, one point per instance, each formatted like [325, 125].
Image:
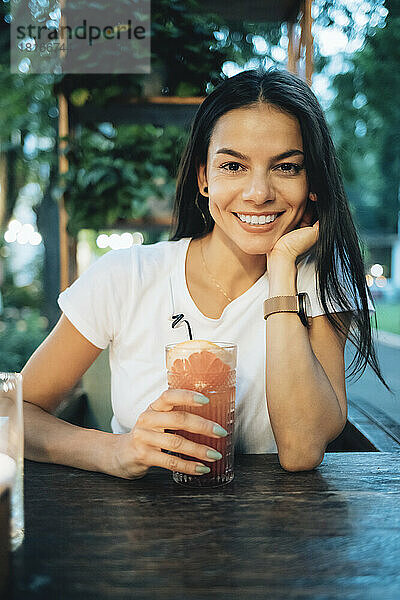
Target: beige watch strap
[281, 304]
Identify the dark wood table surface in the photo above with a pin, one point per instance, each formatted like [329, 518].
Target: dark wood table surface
[329, 533]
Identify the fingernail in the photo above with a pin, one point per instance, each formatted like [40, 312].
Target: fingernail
[214, 454]
[218, 430]
[200, 399]
[202, 469]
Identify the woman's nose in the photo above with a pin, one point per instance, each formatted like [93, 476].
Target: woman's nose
[259, 188]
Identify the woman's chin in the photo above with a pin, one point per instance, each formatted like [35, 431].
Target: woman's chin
[261, 244]
[258, 248]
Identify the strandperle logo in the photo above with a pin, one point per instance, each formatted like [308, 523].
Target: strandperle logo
[81, 32]
[80, 36]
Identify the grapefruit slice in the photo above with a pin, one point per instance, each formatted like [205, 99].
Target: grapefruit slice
[200, 370]
[198, 344]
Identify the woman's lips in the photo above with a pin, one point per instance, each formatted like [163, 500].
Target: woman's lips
[257, 228]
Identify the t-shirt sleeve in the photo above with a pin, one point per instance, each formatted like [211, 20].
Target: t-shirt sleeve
[307, 282]
[96, 302]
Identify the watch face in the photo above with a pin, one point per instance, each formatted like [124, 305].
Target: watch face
[305, 309]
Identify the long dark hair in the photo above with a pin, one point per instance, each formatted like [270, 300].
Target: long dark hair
[338, 246]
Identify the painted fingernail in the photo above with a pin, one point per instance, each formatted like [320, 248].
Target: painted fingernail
[202, 469]
[200, 399]
[218, 430]
[214, 454]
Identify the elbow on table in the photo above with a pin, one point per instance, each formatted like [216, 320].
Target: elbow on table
[301, 462]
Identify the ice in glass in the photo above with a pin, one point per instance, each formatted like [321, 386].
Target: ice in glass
[12, 449]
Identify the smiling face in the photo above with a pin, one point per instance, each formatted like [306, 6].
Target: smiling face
[255, 166]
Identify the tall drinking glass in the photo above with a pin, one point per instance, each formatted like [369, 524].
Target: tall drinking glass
[209, 368]
[12, 449]
[7, 476]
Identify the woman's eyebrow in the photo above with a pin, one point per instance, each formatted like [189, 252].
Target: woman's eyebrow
[237, 154]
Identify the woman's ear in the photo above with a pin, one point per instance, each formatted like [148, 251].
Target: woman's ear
[313, 207]
[202, 180]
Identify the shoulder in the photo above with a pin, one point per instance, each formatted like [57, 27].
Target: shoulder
[99, 301]
[151, 259]
[159, 251]
[138, 256]
[119, 271]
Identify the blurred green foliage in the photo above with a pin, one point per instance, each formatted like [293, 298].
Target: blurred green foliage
[366, 118]
[117, 174]
[20, 296]
[388, 316]
[21, 332]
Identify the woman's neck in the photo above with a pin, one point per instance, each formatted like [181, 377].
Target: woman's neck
[232, 268]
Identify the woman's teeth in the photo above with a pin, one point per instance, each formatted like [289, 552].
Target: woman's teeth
[253, 220]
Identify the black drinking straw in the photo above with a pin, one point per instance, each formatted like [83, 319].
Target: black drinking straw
[179, 319]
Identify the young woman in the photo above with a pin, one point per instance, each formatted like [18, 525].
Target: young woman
[260, 214]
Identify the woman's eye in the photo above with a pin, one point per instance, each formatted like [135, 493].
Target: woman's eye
[291, 168]
[227, 167]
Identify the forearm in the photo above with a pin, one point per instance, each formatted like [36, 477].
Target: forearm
[304, 411]
[49, 439]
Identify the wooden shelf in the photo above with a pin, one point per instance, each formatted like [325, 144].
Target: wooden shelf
[168, 100]
[260, 11]
[158, 110]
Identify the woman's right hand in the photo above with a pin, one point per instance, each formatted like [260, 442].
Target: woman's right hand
[141, 448]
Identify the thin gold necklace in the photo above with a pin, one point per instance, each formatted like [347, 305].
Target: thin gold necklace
[212, 278]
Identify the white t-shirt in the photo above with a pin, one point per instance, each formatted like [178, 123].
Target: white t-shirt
[126, 299]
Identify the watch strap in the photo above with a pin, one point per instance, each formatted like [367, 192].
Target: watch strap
[280, 304]
[296, 304]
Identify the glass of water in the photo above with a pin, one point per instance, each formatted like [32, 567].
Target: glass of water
[12, 449]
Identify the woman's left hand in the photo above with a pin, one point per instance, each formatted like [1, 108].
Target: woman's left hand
[298, 241]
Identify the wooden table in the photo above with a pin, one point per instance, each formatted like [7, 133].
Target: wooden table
[329, 533]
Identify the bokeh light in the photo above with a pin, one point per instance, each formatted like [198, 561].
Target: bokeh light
[381, 281]
[370, 280]
[116, 241]
[376, 270]
[22, 234]
[102, 241]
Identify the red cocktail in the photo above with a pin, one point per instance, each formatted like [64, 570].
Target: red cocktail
[209, 368]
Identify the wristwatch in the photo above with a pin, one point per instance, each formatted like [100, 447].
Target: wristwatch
[300, 304]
